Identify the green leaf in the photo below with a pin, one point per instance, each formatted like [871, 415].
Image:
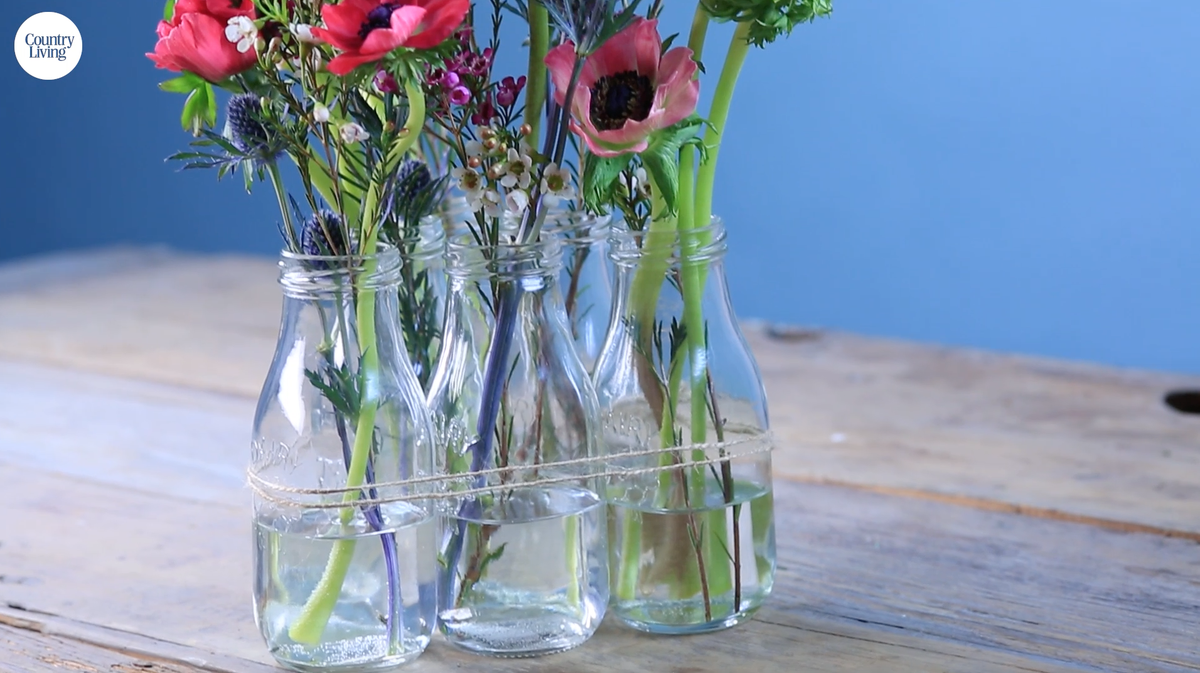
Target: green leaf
[600, 176]
[169, 10]
[493, 556]
[668, 41]
[661, 158]
[195, 110]
[210, 115]
[185, 83]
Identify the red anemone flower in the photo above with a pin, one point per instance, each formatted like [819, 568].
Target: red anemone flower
[367, 30]
[194, 39]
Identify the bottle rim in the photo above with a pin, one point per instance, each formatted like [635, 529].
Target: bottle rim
[468, 259]
[307, 276]
[428, 242]
[629, 247]
[577, 227]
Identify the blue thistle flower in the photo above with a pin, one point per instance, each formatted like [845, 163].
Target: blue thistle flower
[245, 128]
[412, 179]
[323, 235]
[589, 23]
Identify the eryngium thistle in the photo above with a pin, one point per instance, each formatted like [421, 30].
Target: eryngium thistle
[245, 128]
[323, 235]
[412, 178]
[415, 196]
[589, 23]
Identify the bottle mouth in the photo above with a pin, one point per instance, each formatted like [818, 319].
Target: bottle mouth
[308, 276]
[702, 244]
[427, 242]
[466, 258]
[577, 227]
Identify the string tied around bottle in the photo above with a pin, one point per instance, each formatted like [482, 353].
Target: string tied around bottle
[454, 486]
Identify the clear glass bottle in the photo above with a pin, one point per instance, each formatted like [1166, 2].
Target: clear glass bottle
[692, 548]
[585, 280]
[524, 553]
[342, 418]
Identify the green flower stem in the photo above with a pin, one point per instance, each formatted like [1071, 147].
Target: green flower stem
[631, 551]
[647, 283]
[699, 32]
[315, 614]
[739, 46]
[535, 89]
[574, 598]
[714, 543]
[281, 194]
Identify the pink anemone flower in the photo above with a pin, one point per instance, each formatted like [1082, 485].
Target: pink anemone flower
[628, 89]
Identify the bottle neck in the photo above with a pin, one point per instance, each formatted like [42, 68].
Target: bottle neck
[652, 266]
[577, 229]
[326, 277]
[530, 264]
[702, 246]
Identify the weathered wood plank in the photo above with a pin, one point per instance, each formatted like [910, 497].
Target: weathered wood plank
[988, 430]
[1049, 436]
[179, 572]
[28, 652]
[172, 465]
[99, 647]
[146, 436]
[200, 322]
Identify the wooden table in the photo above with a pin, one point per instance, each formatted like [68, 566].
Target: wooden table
[937, 509]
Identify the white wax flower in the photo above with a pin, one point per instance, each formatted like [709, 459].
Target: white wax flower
[241, 31]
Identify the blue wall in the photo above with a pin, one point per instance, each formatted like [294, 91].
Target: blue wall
[1015, 176]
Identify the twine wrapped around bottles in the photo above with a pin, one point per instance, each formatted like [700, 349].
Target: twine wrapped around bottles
[439, 487]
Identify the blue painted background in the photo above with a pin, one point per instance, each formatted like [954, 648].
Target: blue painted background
[1015, 176]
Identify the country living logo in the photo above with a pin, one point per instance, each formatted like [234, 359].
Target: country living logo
[48, 46]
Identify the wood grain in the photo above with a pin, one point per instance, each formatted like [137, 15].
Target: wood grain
[1048, 436]
[179, 572]
[152, 538]
[202, 322]
[30, 652]
[1042, 437]
[939, 509]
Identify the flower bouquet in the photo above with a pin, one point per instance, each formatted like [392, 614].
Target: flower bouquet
[504, 503]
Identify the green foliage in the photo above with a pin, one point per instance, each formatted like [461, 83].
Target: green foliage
[769, 19]
[169, 10]
[343, 390]
[600, 179]
[420, 320]
[661, 158]
[492, 556]
[185, 83]
[200, 109]
[664, 355]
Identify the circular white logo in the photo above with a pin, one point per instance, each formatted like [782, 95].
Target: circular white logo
[48, 45]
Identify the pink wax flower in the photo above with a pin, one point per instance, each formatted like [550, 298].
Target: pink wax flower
[628, 89]
[195, 41]
[385, 82]
[508, 90]
[460, 95]
[367, 30]
[485, 112]
[448, 79]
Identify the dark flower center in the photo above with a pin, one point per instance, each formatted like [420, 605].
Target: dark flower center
[380, 17]
[616, 98]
